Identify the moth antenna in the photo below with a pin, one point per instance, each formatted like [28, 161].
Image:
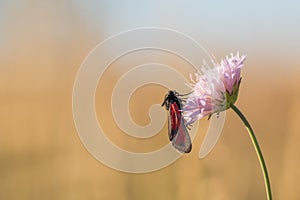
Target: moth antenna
[181, 95]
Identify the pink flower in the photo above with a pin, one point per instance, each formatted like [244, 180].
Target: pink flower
[230, 70]
[215, 90]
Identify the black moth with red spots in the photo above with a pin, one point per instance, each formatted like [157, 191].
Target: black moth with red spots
[177, 129]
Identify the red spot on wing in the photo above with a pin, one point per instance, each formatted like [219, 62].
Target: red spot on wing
[175, 116]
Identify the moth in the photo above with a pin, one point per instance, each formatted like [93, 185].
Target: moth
[177, 129]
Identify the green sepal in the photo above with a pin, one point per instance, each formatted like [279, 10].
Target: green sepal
[231, 98]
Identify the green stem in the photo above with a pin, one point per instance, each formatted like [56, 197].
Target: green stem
[258, 151]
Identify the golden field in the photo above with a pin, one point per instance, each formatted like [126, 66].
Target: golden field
[42, 157]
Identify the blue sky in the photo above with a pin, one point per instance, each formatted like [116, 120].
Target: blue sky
[218, 18]
[263, 28]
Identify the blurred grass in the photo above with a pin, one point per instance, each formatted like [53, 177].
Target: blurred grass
[41, 156]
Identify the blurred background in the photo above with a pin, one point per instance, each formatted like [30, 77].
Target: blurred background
[42, 46]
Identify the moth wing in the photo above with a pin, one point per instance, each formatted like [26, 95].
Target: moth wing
[181, 140]
[174, 120]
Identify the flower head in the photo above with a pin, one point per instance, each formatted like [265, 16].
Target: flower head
[230, 70]
[215, 90]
